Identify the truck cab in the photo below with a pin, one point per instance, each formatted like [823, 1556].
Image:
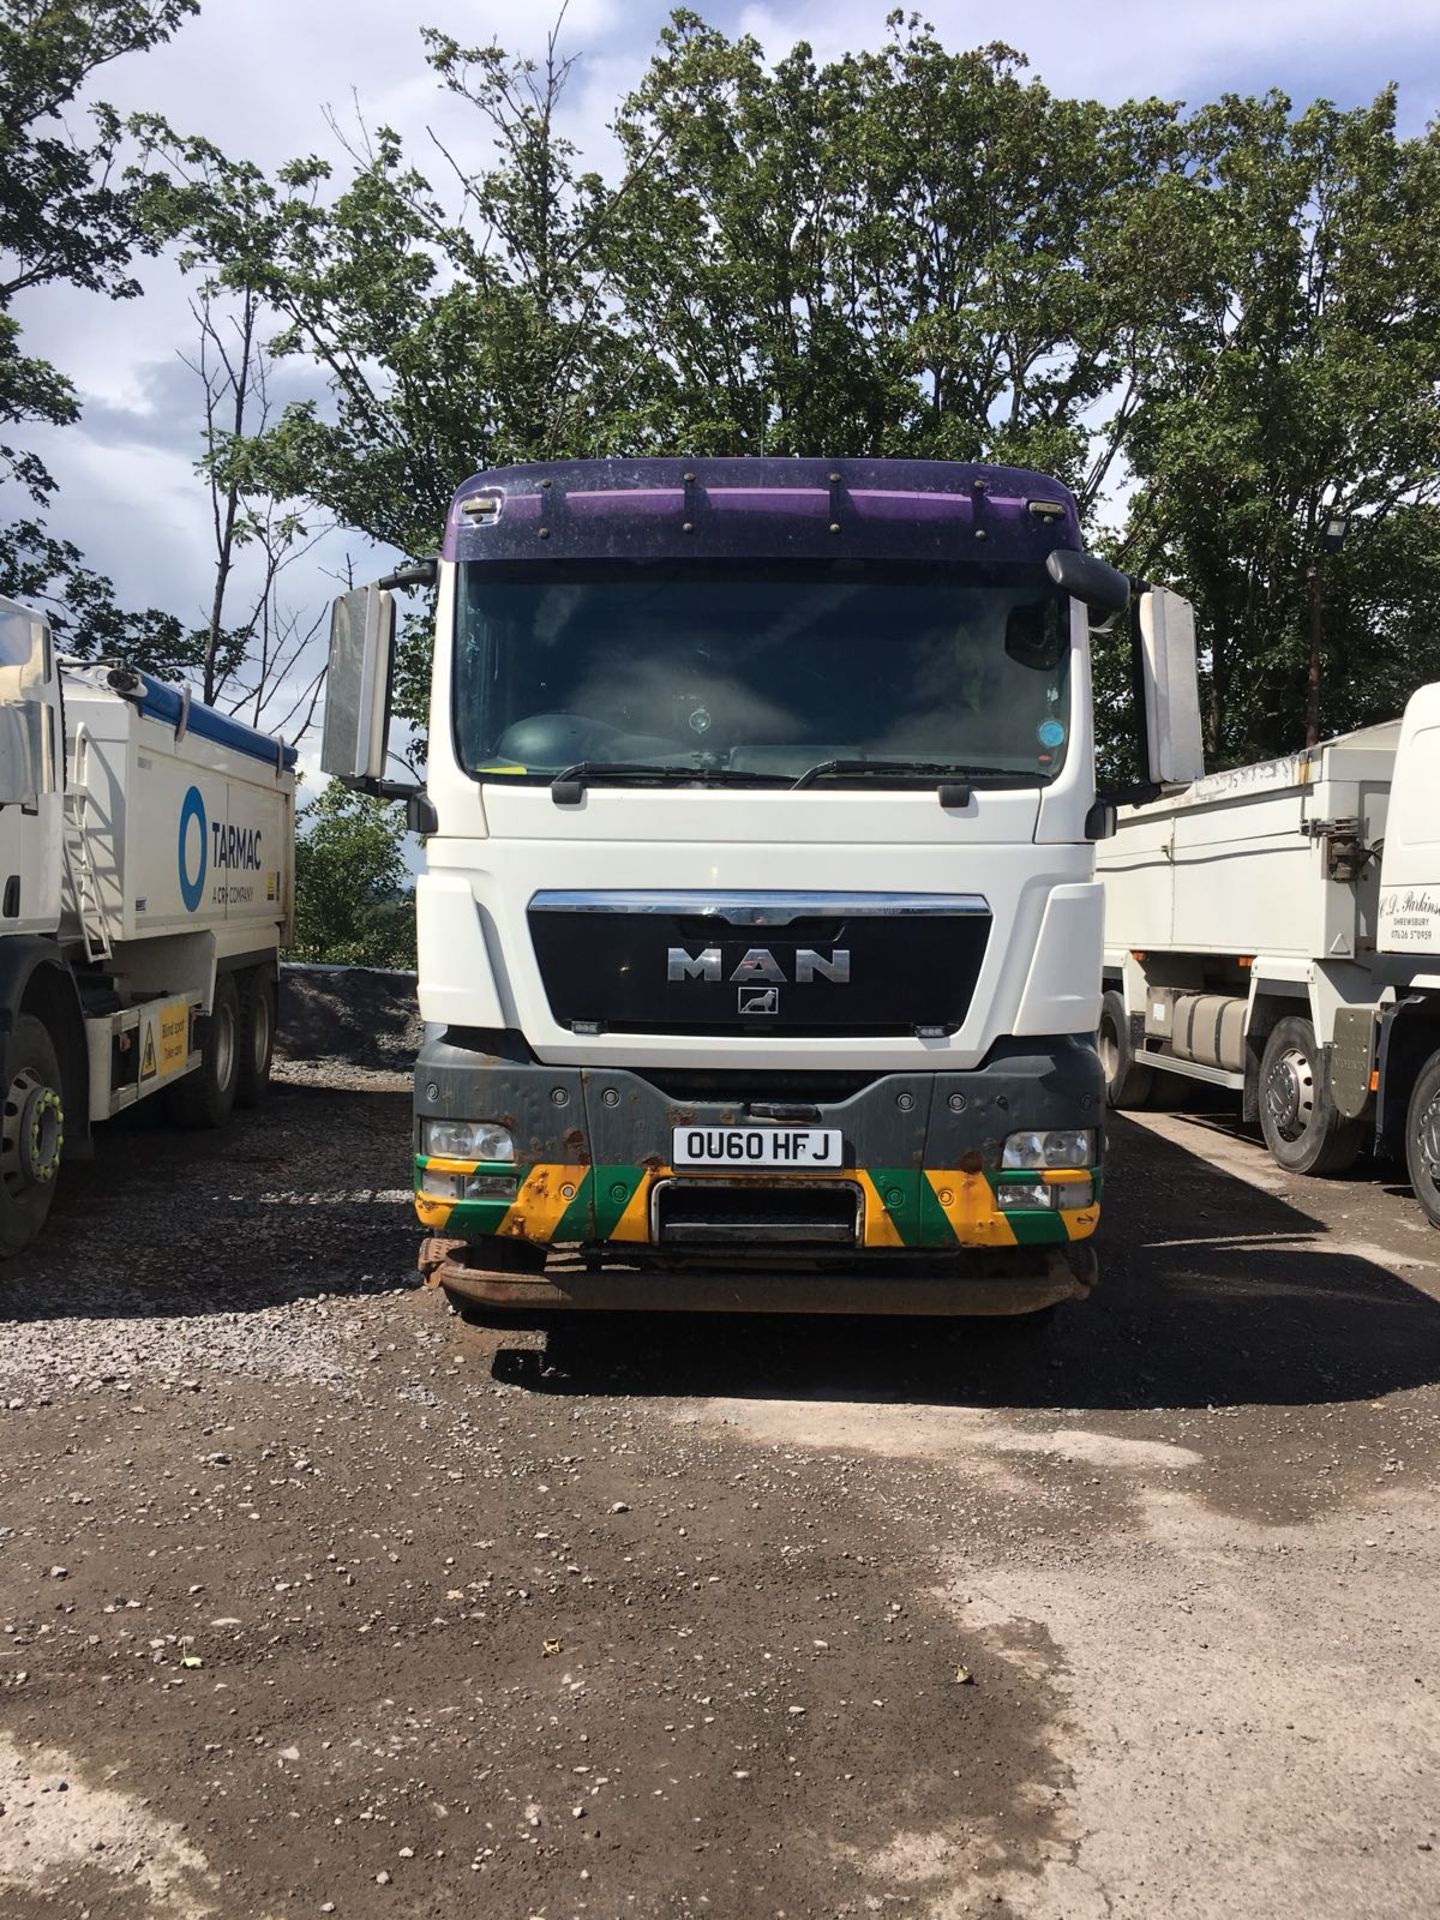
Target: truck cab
[759, 938]
[1408, 1043]
[1410, 863]
[42, 1053]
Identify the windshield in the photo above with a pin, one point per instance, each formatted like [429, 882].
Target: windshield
[765, 670]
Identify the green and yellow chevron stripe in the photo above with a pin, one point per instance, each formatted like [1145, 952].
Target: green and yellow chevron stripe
[904, 1207]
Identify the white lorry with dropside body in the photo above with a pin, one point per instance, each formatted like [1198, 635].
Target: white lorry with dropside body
[146, 874]
[1275, 929]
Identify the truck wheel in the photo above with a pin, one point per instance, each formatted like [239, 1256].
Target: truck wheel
[1127, 1083]
[1422, 1139]
[204, 1098]
[257, 1037]
[1304, 1129]
[32, 1135]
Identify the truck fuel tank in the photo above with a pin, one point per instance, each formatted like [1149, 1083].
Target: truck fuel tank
[1207, 1028]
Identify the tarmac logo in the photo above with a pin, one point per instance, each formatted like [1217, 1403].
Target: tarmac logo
[236, 846]
[194, 852]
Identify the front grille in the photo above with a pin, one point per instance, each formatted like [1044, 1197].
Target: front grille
[719, 1213]
[853, 969]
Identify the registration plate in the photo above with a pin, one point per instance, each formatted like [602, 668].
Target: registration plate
[789, 1147]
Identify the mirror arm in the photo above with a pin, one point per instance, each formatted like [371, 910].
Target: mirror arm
[1139, 794]
[418, 573]
[379, 789]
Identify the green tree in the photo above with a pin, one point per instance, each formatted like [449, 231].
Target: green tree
[1213, 325]
[788, 261]
[1303, 378]
[354, 901]
[451, 336]
[67, 215]
[910, 251]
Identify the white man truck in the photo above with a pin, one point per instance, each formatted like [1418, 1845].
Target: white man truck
[759, 939]
[146, 868]
[1275, 930]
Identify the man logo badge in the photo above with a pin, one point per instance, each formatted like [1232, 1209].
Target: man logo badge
[758, 966]
[758, 1000]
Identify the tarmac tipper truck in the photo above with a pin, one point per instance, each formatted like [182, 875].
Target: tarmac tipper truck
[146, 869]
[759, 939]
[1275, 930]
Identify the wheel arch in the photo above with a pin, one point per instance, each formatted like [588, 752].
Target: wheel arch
[35, 980]
[1409, 1034]
[1271, 1001]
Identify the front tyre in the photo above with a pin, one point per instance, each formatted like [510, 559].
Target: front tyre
[1127, 1083]
[1304, 1129]
[205, 1097]
[1422, 1139]
[32, 1135]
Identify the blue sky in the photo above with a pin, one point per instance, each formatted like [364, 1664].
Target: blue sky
[256, 76]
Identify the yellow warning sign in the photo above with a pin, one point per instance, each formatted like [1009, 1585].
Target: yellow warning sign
[164, 1040]
[174, 1036]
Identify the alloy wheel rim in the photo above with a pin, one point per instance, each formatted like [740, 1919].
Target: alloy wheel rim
[1290, 1094]
[32, 1133]
[1427, 1139]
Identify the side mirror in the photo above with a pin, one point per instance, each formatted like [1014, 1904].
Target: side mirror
[420, 814]
[1102, 819]
[357, 692]
[1170, 681]
[1088, 579]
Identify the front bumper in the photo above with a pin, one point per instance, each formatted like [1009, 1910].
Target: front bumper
[922, 1150]
[521, 1281]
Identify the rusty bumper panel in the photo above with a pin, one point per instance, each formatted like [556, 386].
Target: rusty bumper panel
[1005, 1282]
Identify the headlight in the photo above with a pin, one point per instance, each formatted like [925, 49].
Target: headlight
[466, 1140]
[1057, 1147]
[1047, 1196]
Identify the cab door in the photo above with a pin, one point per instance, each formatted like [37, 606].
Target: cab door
[31, 762]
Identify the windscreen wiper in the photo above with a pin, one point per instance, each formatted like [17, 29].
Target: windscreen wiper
[947, 771]
[568, 786]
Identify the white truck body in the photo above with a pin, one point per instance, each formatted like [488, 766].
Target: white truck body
[1305, 888]
[146, 875]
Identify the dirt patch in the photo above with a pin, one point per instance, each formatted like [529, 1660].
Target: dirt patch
[59, 1833]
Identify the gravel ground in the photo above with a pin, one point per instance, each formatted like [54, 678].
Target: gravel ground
[315, 1599]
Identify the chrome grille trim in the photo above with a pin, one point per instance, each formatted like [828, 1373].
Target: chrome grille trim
[768, 909]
